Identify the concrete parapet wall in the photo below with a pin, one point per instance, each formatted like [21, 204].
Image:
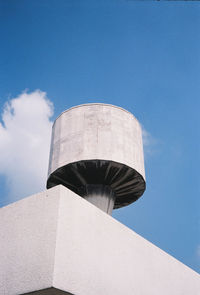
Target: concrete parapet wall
[58, 239]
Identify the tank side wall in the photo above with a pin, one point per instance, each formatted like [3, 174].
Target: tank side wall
[97, 132]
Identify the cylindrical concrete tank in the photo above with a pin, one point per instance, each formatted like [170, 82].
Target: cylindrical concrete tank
[97, 152]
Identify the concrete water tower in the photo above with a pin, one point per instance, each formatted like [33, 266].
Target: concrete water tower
[57, 243]
[97, 152]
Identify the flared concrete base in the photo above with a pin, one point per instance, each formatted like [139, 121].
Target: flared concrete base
[59, 243]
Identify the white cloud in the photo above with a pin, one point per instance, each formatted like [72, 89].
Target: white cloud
[149, 142]
[146, 137]
[25, 135]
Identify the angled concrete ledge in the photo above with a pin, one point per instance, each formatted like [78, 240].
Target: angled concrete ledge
[56, 241]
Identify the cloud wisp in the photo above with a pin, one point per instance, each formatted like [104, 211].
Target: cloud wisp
[25, 134]
[149, 143]
[198, 251]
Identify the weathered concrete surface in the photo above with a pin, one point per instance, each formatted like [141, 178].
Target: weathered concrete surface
[57, 239]
[96, 131]
[28, 239]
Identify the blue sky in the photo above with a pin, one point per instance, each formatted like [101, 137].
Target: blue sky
[143, 56]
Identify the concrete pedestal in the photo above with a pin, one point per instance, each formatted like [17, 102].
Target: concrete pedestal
[56, 242]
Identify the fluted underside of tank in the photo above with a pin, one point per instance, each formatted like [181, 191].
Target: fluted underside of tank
[125, 183]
